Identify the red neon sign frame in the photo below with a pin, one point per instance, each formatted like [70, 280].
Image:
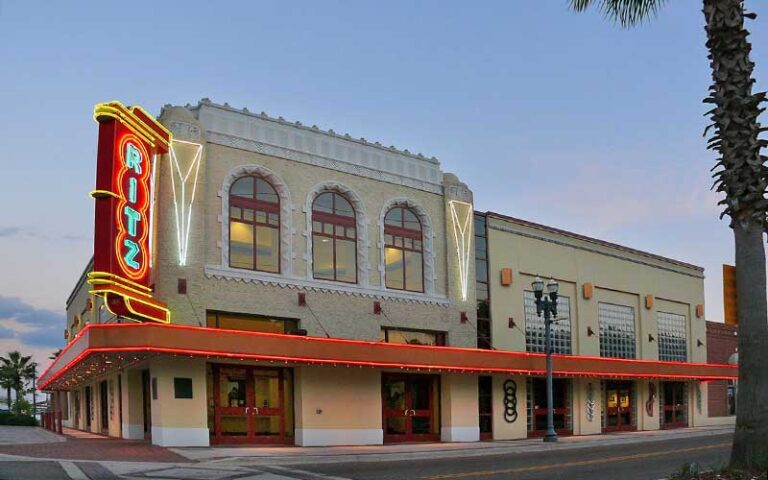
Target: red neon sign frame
[129, 142]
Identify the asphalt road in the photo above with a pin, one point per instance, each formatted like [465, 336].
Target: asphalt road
[639, 461]
[644, 461]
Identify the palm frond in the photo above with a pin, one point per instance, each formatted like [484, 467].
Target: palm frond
[626, 13]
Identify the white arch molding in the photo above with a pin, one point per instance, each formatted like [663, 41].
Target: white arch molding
[361, 221]
[286, 208]
[427, 232]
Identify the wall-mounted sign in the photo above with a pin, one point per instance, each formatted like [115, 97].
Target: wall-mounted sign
[129, 142]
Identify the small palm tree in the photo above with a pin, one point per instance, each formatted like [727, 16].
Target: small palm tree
[6, 382]
[742, 175]
[18, 369]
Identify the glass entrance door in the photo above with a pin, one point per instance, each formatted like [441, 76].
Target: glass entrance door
[537, 406]
[674, 404]
[251, 405]
[410, 408]
[619, 408]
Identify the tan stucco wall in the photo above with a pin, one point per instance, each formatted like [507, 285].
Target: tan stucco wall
[458, 403]
[168, 411]
[337, 397]
[617, 276]
[503, 430]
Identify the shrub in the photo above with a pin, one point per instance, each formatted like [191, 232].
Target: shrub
[18, 420]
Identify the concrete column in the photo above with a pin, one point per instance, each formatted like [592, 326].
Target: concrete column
[697, 404]
[646, 421]
[131, 404]
[459, 408]
[178, 422]
[94, 399]
[587, 404]
[512, 426]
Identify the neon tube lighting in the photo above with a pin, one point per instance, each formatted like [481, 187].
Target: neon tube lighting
[183, 207]
[462, 235]
[325, 361]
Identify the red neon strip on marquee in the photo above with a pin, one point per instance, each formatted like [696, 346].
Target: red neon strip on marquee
[220, 331]
[249, 356]
[211, 331]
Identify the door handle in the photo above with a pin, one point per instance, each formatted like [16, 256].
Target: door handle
[246, 410]
[405, 412]
[256, 410]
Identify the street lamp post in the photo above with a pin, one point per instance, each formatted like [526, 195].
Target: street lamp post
[547, 306]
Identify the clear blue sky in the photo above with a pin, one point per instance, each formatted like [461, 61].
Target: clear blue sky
[551, 116]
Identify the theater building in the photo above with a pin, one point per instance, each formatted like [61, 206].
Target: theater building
[259, 281]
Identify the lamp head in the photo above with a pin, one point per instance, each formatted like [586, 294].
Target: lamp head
[538, 287]
[552, 286]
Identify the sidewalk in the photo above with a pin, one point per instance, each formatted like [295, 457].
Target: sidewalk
[413, 451]
[11, 435]
[35, 442]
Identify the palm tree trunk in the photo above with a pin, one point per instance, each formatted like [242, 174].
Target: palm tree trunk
[8, 392]
[749, 443]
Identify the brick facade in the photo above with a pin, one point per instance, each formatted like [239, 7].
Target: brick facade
[722, 342]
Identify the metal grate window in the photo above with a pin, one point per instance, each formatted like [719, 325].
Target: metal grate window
[535, 340]
[617, 330]
[673, 341]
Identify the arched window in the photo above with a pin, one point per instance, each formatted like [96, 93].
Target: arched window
[254, 225]
[403, 250]
[334, 238]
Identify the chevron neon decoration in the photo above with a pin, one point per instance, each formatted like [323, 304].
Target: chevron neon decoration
[185, 166]
[461, 217]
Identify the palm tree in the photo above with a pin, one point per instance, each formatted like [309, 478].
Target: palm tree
[6, 382]
[18, 369]
[55, 354]
[741, 174]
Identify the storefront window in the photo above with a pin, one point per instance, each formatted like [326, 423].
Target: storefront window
[251, 323]
[403, 250]
[673, 344]
[413, 337]
[254, 225]
[334, 238]
[535, 340]
[617, 330]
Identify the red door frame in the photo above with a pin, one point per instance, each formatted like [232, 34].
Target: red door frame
[565, 411]
[485, 435]
[408, 412]
[678, 408]
[618, 410]
[250, 410]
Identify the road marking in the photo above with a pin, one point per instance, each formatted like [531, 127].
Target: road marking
[73, 471]
[485, 473]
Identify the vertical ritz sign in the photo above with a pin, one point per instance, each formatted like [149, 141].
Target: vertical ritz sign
[130, 142]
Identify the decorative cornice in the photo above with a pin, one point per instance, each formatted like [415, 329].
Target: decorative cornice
[314, 129]
[321, 161]
[261, 278]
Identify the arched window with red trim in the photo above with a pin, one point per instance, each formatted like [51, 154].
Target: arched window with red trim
[334, 238]
[254, 225]
[403, 250]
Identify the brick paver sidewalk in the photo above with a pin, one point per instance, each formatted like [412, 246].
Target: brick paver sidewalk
[83, 446]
